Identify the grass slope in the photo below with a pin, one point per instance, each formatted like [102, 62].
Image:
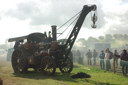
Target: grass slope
[98, 77]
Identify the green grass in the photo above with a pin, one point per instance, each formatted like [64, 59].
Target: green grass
[98, 77]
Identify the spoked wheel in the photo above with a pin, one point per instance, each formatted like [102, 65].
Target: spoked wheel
[48, 65]
[19, 61]
[67, 66]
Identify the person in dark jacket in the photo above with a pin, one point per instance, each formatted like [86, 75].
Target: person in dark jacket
[17, 43]
[89, 57]
[80, 61]
[102, 55]
[78, 54]
[124, 61]
[94, 56]
[116, 57]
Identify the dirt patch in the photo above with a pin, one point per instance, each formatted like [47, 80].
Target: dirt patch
[81, 75]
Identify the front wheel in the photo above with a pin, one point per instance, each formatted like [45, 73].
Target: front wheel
[67, 66]
[48, 65]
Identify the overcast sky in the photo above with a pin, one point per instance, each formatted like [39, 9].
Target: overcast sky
[21, 17]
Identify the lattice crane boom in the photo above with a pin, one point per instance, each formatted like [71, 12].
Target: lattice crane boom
[70, 41]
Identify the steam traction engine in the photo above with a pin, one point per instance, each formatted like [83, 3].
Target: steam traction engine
[44, 52]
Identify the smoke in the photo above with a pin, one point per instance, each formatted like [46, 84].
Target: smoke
[79, 44]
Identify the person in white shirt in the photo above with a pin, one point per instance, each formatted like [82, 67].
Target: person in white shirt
[107, 55]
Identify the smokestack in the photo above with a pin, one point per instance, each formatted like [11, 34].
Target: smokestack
[54, 32]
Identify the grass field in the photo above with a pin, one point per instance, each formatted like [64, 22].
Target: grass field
[98, 77]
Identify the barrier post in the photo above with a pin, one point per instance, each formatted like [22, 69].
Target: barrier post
[114, 64]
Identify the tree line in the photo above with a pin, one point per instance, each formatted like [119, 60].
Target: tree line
[115, 40]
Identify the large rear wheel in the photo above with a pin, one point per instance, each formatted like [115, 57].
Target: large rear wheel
[19, 61]
[48, 65]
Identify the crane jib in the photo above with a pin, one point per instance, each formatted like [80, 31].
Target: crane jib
[70, 41]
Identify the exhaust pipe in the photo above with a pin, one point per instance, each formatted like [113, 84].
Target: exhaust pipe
[54, 32]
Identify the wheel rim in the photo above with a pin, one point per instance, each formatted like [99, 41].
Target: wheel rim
[66, 67]
[18, 61]
[48, 66]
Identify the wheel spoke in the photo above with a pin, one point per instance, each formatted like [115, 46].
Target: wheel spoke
[19, 61]
[66, 67]
[48, 66]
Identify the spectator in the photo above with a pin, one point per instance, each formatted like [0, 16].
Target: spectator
[94, 56]
[116, 57]
[89, 57]
[80, 61]
[124, 61]
[71, 56]
[107, 57]
[110, 54]
[102, 55]
[78, 55]
[17, 43]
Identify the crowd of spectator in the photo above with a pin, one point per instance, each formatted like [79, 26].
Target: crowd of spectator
[105, 56]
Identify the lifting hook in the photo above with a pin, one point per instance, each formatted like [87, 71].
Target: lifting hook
[94, 19]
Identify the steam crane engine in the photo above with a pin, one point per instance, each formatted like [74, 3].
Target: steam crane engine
[44, 52]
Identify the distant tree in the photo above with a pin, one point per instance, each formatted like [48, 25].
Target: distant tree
[101, 38]
[125, 37]
[90, 42]
[82, 40]
[92, 39]
[3, 46]
[118, 36]
[108, 38]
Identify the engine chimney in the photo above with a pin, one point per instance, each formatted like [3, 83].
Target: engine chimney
[54, 32]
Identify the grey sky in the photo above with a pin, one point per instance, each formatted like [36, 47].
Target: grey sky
[55, 12]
